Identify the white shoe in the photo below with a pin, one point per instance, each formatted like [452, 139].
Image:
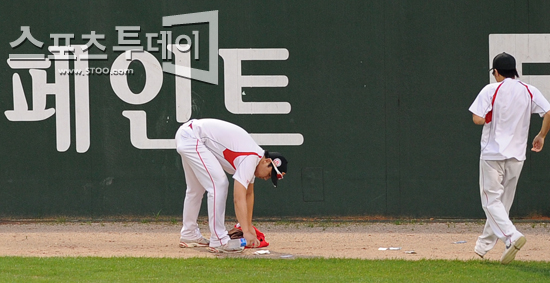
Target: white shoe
[225, 249]
[512, 249]
[200, 242]
[480, 253]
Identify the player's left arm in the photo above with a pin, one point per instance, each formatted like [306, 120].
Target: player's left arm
[478, 120]
[241, 198]
[538, 141]
[250, 203]
[482, 104]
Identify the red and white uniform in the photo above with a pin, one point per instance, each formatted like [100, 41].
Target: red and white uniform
[507, 108]
[208, 149]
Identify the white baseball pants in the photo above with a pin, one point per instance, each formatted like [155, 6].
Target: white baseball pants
[203, 173]
[497, 182]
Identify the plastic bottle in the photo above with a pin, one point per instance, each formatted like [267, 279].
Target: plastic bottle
[236, 244]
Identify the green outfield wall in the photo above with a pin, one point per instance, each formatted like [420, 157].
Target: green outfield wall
[367, 99]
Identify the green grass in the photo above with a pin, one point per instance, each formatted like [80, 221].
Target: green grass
[118, 269]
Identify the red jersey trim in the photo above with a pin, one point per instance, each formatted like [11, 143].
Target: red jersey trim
[489, 115]
[230, 156]
[528, 90]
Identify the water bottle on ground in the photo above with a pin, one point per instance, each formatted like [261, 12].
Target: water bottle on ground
[236, 244]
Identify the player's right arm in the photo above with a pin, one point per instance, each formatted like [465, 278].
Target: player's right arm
[540, 106]
[538, 141]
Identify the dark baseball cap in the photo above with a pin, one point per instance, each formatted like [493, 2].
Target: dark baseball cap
[504, 61]
[279, 164]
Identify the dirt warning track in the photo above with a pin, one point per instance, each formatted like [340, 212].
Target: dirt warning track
[359, 240]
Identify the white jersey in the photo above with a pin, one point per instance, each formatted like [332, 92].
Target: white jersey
[507, 107]
[234, 148]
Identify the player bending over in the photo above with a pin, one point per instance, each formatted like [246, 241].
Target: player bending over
[208, 149]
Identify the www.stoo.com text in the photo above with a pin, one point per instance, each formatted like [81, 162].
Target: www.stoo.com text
[96, 71]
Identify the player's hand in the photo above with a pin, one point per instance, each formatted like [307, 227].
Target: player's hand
[251, 240]
[538, 143]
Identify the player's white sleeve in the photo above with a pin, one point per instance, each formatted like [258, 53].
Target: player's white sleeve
[482, 104]
[540, 104]
[244, 173]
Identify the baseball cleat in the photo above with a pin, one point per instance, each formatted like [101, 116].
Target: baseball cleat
[225, 249]
[201, 242]
[511, 250]
[479, 253]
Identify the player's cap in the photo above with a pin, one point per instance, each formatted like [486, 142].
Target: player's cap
[504, 61]
[278, 162]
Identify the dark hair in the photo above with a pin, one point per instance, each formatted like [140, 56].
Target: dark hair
[509, 73]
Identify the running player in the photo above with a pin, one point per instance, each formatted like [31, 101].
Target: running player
[504, 109]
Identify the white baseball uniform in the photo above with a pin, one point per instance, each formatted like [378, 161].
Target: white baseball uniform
[208, 149]
[507, 107]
